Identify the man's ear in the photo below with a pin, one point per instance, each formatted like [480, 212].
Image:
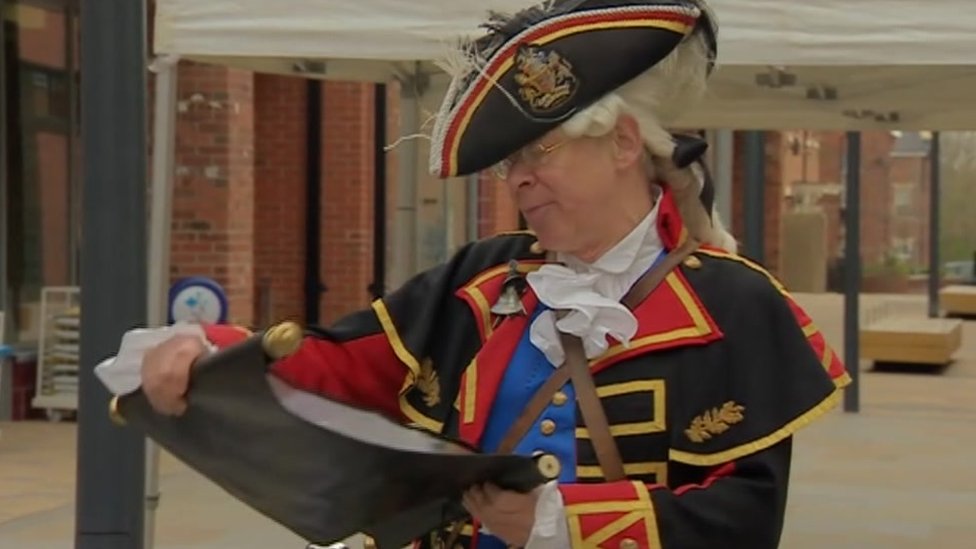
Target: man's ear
[628, 143]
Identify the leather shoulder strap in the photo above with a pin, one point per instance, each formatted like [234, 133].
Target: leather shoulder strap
[541, 399]
[646, 284]
[537, 404]
[607, 453]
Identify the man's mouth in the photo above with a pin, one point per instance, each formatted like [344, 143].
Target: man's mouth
[533, 209]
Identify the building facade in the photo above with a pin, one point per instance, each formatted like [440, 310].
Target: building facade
[275, 193]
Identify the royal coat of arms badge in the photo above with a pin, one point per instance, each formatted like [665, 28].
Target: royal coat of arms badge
[545, 78]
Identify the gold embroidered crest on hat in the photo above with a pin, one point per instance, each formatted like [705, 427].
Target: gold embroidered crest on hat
[545, 78]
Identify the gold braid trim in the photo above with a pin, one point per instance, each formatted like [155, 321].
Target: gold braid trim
[393, 336]
[414, 373]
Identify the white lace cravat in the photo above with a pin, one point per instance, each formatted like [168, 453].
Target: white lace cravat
[592, 293]
[592, 316]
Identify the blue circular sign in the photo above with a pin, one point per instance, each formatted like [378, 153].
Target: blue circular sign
[198, 300]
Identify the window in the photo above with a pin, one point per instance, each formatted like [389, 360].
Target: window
[903, 200]
[40, 143]
[903, 249]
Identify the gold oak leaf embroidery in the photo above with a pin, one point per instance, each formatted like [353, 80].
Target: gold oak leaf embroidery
[429, 384]
[715, 421]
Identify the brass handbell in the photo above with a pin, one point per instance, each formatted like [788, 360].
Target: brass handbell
[510, 301]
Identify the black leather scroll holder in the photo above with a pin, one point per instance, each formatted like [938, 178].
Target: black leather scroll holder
[325, 476]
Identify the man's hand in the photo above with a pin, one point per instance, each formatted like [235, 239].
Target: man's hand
[508, 515]
[166, 372]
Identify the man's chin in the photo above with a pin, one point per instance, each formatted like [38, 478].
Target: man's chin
[547, 241]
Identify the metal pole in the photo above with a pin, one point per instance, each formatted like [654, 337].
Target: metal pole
[163, 161]
[6, 374]
[934, 226]
[4, 204]
[111, 460]
[405, 217]
[314, 286]
[754, 208]
[722, 171]
[74, 181]
[378, 287]
[473, 209]
[852, 270]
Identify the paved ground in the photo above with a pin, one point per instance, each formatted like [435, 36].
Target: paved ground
[897, 475]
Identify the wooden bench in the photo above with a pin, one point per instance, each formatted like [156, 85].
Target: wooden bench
[958, 300]
[912, 339]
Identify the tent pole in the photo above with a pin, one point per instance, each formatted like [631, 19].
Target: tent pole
[753, 210]
[163, 159]
[405, 221]
[110, 487]
[852, 270]
[377, 288]
[934, 226]
[314, 287]
[722, 170]
[472, 215]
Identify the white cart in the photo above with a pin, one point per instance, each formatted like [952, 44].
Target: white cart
[58, 351]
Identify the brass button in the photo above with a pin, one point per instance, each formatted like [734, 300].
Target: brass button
[549, 466]
[693, 262]
[628, 543]
[547, 427]
[559, 398]
[113, 411]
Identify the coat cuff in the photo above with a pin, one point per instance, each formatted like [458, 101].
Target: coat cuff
[549, 531]
[613, 514]
[224, 335]
[122, 374]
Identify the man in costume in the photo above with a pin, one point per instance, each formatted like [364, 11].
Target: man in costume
[656, 377]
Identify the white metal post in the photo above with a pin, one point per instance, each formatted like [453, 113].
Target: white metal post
[163, 159]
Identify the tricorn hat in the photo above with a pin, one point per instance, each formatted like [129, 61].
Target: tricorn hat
[534, 70]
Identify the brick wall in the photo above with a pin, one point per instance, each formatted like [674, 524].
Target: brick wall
[213, 201]
[347, 197]
[393, 132]
[280, 187]
[831, 161]
[876, 190]
[239, 196]
[880, 173]
[239, 213]
[773, 195]
[910, 175]
[497, 211]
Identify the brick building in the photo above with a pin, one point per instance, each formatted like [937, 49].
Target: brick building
[265, 195]
[251, 149]
[894, 216]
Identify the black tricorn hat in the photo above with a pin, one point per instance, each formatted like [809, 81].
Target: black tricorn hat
[536, 69]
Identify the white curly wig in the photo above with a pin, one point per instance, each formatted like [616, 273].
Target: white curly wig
[655, 100]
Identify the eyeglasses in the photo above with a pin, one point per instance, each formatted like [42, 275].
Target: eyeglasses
[533, 156]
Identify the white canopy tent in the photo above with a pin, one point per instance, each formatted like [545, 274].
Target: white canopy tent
[783, 64]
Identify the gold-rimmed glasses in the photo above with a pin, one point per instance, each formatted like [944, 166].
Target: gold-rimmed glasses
[532, 156]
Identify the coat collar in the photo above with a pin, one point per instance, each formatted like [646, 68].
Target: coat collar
[671, 316]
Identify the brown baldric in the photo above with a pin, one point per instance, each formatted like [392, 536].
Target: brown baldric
[576, 368]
